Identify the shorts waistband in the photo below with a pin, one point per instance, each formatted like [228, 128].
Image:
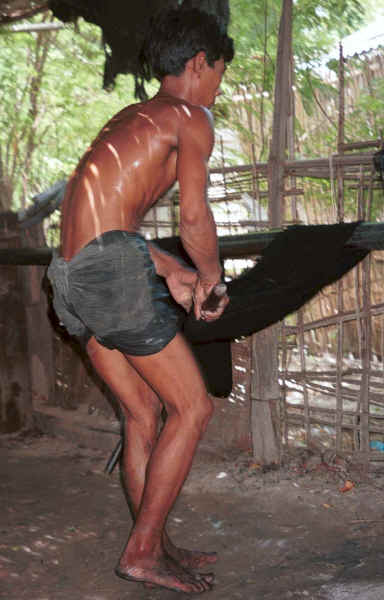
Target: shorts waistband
[110, 237]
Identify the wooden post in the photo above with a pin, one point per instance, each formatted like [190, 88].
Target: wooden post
[281, 111]
[26, 356]
[15, 388]
[39, 338]
[265, 393]
[264, 398]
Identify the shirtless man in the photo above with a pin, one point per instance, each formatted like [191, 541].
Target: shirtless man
[111, 285]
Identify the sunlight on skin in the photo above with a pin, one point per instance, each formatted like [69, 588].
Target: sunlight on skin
[187, 111]
[176, 110]
[119, 186]
[91, 199]
[94, 169]
[144, 116]
[115, 154]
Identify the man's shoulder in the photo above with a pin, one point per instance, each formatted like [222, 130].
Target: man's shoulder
[194, 118]
[176, 117]
[180, 109]
[195, 112]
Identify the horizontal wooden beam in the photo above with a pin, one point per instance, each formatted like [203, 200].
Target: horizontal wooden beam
[366, 235]
[361, 145]
[312, 167]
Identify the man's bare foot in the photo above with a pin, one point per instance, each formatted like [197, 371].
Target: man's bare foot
[165, 572]
[191, 559]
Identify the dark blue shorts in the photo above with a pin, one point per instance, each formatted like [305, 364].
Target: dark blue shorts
[110, 290]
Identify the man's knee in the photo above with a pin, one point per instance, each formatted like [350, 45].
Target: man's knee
[202, 412]
[145, 414]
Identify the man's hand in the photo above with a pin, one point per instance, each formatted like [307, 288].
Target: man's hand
[181, 283]
[201, 293]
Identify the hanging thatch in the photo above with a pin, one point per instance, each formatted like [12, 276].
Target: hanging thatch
[123, 26]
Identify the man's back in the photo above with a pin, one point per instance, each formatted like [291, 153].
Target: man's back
[129, 166]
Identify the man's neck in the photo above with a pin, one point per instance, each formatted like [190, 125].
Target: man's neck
[177, 87]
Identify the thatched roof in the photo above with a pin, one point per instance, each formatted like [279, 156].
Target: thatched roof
[15, 10]
[123, 23]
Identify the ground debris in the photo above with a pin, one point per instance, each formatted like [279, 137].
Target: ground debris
[277, 530]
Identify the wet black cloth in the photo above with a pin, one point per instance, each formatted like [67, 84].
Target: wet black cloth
[298, 263]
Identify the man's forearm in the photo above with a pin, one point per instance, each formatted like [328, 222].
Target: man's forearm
[199, 239]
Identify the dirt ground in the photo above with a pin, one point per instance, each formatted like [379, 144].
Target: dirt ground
[283, 534]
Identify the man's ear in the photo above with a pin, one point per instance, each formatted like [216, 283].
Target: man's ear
[199, 62]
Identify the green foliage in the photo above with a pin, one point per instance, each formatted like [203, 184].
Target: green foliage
[52, 105]
[317, 25]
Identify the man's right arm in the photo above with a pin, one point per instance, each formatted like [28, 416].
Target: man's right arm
[197, 226]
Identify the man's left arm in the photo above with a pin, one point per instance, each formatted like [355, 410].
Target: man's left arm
[180, 278]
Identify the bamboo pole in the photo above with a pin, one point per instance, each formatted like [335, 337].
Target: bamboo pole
[366, 235]
[339, 285]
[341, 116]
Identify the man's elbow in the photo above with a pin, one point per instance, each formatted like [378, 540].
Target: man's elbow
[195, 216]
[189, 221]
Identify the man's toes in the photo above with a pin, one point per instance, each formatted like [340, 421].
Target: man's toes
[208, 577]
[205, 580]
[201, 586]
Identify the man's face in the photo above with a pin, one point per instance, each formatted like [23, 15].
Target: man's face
[210, 82]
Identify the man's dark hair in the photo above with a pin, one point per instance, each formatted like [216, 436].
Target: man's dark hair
[177, 35]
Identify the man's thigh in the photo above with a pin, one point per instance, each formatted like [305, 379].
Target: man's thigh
[174, 374]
